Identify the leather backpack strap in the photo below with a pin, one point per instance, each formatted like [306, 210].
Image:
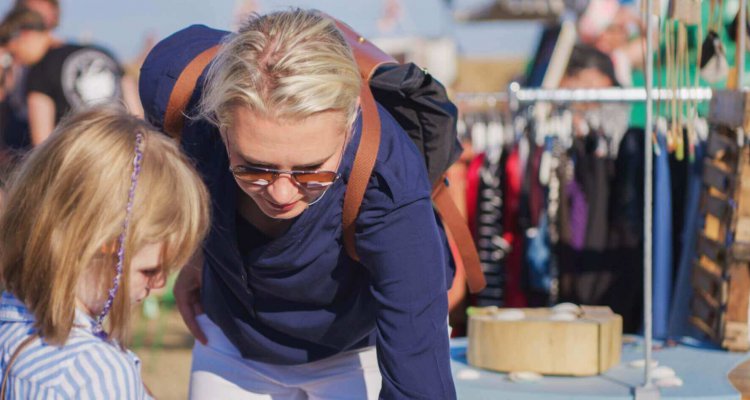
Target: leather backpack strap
[6, 373]
[364, 161]
[183, 90]
[368, 56]
[456, 225]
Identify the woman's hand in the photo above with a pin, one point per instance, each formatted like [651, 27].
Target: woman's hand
[187, 294]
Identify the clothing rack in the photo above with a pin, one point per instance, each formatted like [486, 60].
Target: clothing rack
[517, 96]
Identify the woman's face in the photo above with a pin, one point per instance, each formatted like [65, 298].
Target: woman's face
[314, 143]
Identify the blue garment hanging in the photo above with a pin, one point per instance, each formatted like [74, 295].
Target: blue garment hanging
[678, 319]
[662, 244]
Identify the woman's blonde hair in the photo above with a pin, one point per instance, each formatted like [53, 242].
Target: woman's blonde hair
[67, 202]
[284, 65]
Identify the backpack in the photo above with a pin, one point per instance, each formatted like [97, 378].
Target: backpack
[417, 101]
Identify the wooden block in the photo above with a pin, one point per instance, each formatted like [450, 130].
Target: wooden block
[587, 346]
[610, 343]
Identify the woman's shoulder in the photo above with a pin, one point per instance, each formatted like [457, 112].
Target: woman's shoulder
[400, 172]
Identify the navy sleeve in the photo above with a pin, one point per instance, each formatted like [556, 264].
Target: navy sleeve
[399, 242]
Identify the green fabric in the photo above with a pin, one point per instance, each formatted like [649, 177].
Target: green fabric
[638, 113]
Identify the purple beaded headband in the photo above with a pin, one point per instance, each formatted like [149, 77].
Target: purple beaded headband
[98, 329]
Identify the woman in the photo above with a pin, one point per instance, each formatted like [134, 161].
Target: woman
[287, 313]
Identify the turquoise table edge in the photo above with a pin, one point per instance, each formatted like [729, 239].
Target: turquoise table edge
[703, 369]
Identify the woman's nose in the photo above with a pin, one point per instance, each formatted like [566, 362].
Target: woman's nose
[283, 190]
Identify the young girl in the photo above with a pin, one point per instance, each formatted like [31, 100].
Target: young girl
[93, 220]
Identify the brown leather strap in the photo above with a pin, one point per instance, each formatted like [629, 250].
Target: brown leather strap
[364, 161]
[369, 57]
[12, 360]
[183, 90]
[454, 223]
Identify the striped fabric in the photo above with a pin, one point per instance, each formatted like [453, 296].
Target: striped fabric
[86, 367]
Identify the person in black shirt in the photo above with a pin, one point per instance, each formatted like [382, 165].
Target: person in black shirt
[61, 76]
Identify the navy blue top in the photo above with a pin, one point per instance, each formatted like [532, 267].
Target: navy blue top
[300, 298]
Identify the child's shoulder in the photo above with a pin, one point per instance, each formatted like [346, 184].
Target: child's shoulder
[84, 365]
[95, 356]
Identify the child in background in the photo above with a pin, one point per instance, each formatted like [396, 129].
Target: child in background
[93, 220]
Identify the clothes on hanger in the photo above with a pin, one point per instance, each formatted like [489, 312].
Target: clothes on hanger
[561, 218]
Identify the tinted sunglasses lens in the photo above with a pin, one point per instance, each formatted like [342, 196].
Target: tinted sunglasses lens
[254, 176]
[316, 180]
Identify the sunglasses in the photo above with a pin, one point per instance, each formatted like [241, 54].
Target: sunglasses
[307, 180]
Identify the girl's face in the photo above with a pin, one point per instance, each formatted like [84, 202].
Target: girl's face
[146, 273]
[312, 144]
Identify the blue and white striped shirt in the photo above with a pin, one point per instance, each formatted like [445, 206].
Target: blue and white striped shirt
[86, 367]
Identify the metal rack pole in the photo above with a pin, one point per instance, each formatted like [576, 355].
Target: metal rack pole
[742, 34]
[648, 202]
[517, 96]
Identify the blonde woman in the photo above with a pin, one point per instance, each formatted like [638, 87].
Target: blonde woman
[93, 220]
[288, 315]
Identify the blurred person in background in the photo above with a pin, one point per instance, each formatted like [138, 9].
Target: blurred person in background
[48, 9]
[588, 67]
[615, 30]
[14, 126]
[61, 76]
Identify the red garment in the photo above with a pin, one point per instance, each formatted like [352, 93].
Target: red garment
[514, 296]
[472, 192]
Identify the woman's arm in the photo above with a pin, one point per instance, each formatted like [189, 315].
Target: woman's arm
[41, 116]
[407, 259]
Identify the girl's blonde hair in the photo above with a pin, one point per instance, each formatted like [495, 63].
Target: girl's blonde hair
[284, 65]
[67, 203]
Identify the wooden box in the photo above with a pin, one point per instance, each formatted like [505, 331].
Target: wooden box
[586, 346]
[721, 271]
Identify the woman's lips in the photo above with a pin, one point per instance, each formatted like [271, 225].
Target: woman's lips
[282, 208]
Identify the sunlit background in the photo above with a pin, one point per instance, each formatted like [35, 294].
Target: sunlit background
[424, 31]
